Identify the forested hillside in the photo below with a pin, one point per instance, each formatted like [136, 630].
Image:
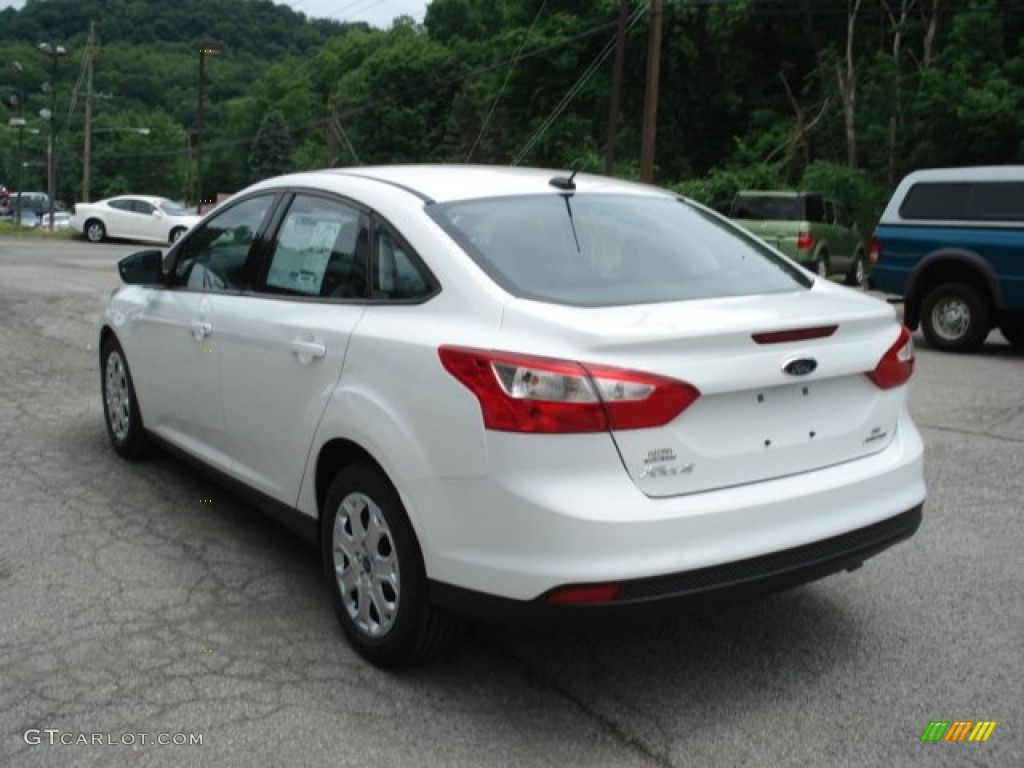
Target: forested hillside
[843, 94]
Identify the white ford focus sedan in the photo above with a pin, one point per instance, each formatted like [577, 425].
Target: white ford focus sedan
[517, 394]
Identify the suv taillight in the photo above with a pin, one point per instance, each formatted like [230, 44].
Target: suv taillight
[804, 241]
[897, 364]
[523, 393]
[876, 250]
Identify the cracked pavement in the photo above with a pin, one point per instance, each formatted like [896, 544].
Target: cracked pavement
[142, 598]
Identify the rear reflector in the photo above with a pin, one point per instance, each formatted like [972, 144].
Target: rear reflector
[804, 241]
[523, 393]
[604, 593]
[897, 364]
[797, 334]
[876, 250]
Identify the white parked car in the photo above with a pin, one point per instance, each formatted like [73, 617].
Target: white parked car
[517, 394]
[132, 217]
[61, 220]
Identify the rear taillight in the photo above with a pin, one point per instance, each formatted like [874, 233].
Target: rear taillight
[804, 241]
[896, 365]
[876, 250]
[523, 393]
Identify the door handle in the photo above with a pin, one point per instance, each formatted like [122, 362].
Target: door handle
[201, 329]
[307, 351]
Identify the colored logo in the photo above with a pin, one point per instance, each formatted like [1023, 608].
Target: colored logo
[958, 730]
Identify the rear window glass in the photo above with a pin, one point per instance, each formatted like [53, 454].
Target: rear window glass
[610, 250]
[768, 208]
[965, 201]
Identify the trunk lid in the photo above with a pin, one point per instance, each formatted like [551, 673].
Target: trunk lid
[753, 420]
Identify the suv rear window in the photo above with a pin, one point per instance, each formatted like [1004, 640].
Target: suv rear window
[965, 201]
[612, 250]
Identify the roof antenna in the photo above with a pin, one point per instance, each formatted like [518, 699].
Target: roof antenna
[564, 183]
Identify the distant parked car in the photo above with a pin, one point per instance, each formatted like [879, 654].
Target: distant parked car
[808, 227]
[31, 204]
[132, 217]
[61, 220]
[951, 242]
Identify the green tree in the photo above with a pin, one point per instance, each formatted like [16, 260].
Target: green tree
[272, 150]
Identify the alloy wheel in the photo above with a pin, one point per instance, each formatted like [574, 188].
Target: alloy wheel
[366, 565]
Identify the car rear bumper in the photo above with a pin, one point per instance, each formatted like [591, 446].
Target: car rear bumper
[521, 534]
[688, 590]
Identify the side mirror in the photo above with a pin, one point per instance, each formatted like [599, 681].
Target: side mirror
[141, 268]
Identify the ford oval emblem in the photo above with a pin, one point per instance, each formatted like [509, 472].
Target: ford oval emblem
[801, 366]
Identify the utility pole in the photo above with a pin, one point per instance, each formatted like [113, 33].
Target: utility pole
[613, 106]
[211, 48]
[650, 126]
[55, 52]
[87, 131]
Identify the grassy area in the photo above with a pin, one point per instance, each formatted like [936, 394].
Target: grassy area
[9, 230]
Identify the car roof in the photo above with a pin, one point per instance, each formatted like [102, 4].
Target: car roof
[151, 199]
[794, 193]
[968, 173]
[445, 183]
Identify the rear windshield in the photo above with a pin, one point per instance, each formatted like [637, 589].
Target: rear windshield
[768, 208]
[173, 209]
[612, 250]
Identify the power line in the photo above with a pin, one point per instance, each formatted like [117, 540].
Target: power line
[508, 76]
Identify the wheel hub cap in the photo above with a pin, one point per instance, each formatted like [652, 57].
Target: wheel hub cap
[366, 565]
[951, 318]
[117, 397]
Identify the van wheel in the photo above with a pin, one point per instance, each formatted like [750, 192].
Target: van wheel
[857, 276]
[375, 572]
[955, 317]
[821, 265]
[1013, 330]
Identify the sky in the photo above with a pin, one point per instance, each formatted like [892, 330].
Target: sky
[378, 13]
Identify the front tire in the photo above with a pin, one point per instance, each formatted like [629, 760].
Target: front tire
[175, 235]
[375, 572]
[120, 405]
[95, 232]
[955, 317]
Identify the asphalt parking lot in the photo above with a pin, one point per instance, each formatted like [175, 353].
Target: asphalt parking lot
[140, 599]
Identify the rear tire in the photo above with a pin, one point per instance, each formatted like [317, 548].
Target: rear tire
[955, 317]
[95, 232]
[375, 572]
[821, 265]
[857, 276]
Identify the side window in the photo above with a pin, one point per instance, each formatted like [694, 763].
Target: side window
[815, 209]
[998, 201]
[122, 205]
[322, 249]
[141, 206]
[396, 274]
[937, 201]
[214, 255]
